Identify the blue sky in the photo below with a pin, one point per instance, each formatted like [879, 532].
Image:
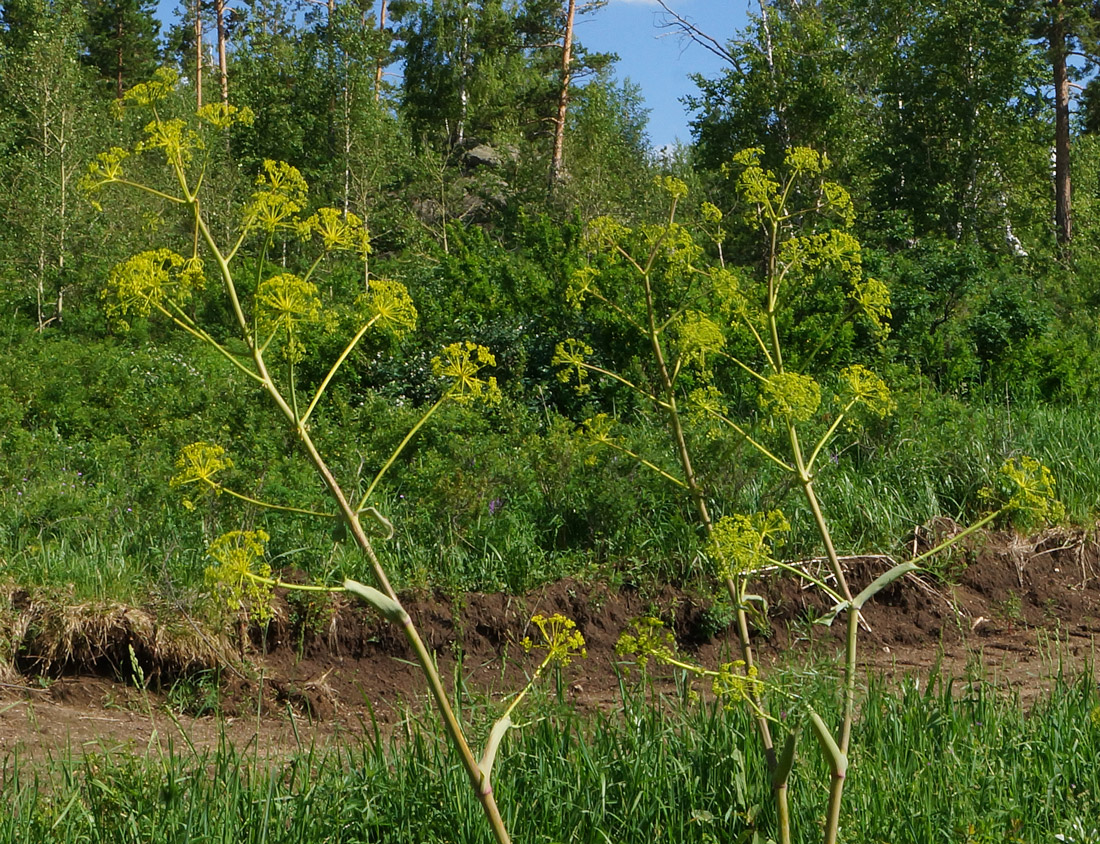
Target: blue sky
[659, 62]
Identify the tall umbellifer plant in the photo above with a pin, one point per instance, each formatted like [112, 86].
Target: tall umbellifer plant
[698, 319]
[274, 326]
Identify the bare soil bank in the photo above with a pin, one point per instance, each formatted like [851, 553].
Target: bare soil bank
[1021, 609]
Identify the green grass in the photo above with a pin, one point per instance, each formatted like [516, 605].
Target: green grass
[503, 502]
[946, 762]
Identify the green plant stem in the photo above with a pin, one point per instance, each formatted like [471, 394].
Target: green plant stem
[400, 447]
[615, 376]
[339, 362]
[836, 788]
[612, 444]
[297, 587]
[763, 449]
[266, 504]
[423, 655]
[206, 338]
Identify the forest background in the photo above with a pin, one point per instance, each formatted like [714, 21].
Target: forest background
[477, 143]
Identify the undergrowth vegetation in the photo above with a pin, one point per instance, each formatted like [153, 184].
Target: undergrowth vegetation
[81, 513]
[666, 769]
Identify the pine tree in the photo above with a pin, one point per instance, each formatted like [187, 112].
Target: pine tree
[121, 41]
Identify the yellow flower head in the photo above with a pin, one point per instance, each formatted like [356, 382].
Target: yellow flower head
[862, 386]
[792, 395]
[1026, 491]
[224, 116]
[756, 185]
[280, 194]
[598, 428]
[284, 303]
[338, 231]
[732, 683]
[199, 463]
[389, 302]
[106, 168]
[647, 638]
[676, 188]
[873, 298]
[570, 356]
[173, 137]
[241, 576]
[740, 545]
[462, 363]
[699, 336]
[157, 89]
[581, 285]
[805, 160]
[150, 280]
[705, 409]
[559, 638]
[605, 233]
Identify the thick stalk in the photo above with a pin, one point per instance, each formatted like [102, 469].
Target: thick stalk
[704, 516]
[836, 788]
[423, 655]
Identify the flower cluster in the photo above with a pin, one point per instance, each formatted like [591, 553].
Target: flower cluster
[173, 138]
[561, 640]
[463, 362]
[732, 683]
[279, 196]
[699, 336]
[706, 409]
[740, 545]
[648, 638]
[1025, 491]
[198, 463]
[861, 386]
[148, 281]
[224, 116]
[284, 303]
[157, 89]
[792, 395]
[338, 231]
[241, 576]
[390, 304]
[570, 356]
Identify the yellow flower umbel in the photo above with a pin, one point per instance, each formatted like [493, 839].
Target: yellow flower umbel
[158, 279]
[463, 362]
[1025, 492]
[280, 195]
[283, 303]
[338, 231]
[388, 304]
[648, 639]
[791, 395]
[241, 576]
[198, 463]
[570, 356]
[740, 545]
[560, 639]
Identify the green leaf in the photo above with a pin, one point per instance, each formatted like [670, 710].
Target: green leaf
[838, 762]
[387, 606]
[496, 735]
[882, 581]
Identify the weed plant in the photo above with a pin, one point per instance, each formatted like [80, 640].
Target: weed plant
[781, 330]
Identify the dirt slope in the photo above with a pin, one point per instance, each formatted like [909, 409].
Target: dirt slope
[1022, 608]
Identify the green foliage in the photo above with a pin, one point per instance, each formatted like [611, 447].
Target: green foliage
[121, 42]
